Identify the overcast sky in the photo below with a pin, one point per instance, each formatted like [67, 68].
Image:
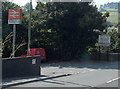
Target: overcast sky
[97, 2]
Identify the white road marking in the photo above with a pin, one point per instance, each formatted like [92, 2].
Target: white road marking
[113, 80]
[84, 71]
[92, 70]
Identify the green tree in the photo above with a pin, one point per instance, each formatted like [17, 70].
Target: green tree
[65, 30]
[71, 26]
[115, 41]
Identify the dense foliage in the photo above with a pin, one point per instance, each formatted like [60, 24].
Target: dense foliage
[65, 30]
[115, 41]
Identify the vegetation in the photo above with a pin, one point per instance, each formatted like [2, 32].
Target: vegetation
[113, 18]
[112, 8]
[65, 30]
[115, 41]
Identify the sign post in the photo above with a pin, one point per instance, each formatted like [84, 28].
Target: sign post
[14, 17]
[104, 42]
[14, 37]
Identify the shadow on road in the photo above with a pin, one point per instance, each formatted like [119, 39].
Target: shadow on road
[36, 80]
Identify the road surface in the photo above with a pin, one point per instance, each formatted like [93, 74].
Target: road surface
[87, 75]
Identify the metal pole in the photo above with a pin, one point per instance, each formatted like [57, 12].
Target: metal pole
[29, 28]
[14, 36]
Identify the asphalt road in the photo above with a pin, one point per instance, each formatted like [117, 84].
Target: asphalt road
[86, 75]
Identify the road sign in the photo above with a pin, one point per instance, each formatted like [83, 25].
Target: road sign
[14, 16]
[118, 30]
[104, 40]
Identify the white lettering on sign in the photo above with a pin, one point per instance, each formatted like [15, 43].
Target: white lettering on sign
[14, 16]
[14, 21]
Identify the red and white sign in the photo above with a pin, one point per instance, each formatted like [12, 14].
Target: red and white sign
[14, 16]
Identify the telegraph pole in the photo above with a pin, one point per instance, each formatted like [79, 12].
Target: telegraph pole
[29, 28]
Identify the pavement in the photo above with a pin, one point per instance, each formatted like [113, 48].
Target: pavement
[87, 75]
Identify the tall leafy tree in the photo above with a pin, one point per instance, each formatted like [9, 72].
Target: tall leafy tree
[71, 25]
[65, 30]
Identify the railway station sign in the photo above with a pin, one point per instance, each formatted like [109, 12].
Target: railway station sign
[14, 16]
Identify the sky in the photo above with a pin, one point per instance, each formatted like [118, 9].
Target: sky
[97, 2]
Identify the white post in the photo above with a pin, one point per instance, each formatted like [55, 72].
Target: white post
[14, 37]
